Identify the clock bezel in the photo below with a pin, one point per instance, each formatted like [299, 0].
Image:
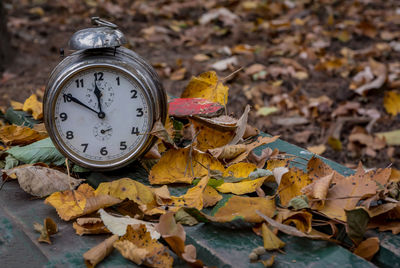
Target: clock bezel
[61, 76]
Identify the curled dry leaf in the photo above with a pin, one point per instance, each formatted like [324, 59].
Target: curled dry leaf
[33, 106]
[152, 253]
[318, 189]
[96, 254]
[179, 166]
[174, 234]
[89, 226]
[380, 71]
[118, 225]
[19, 135]
[241, 126]
[207, 86]
[71, 204]
[42, 181]
[160, 132]
[251, 146]
[127, 188]
[301, 219]
[271, 241]
[368, 248]
[46, 230]
[227, 152]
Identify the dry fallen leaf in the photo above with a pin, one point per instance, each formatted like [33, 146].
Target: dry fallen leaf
[42, 181]
[46, 230]
[227, 152]
[207, 86]
[391, 102]
[242, 187]
[347, 192]
[153, 253]
[96, 254]
[291, 184]
[118, 225]
[210, 138]
[19, 135]
[271, 241]
[127, 188]
[33, 106]
[71, 204]
[192, 199]
[178, 166]
[318, 189]
[368, 248]
[89, 226]
[174, 234]
[210, 197]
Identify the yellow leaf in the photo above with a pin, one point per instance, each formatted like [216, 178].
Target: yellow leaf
[271, 241]
[17, 105]
[210, 197]
[71, 204]
[240, 170]
[301, 219]
[291, 184]
[391, 102]
[193, 197]
[152, 253]
[178, 166]
[210, 138]
[19, 135]
[207, 86]
[317, 149]
[238, 207]
[243, 187]
[127, 188]
[33, 106]
[228, 152]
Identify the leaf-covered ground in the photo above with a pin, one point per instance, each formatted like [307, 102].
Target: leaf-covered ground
[315, 72]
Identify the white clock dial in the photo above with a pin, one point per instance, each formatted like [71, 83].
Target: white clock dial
[102, 114]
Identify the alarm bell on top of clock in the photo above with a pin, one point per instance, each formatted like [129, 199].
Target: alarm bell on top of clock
[102, 100]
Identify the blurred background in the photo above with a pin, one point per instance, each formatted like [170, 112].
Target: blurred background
[322, 74]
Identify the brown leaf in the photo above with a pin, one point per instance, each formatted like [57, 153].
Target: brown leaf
[210, 197]
[96, 254]
[155, 254]
[89, 226]
[174, 234]
[318, 190]
[49, 228]
[368, 248]
[271, 241]
[42, 181]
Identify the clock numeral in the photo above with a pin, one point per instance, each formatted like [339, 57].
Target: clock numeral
[79, 82]
[70, 135]
[85, 145]
[103, 151]
[123, 145]
[98, 76]
[117, 80]
[67, 97]
[63, 116]
[135, 130]
[139, 112]
[134, 94]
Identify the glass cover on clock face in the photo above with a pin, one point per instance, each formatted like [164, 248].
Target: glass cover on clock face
[101, 114]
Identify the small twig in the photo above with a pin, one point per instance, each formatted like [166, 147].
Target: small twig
[190, 156]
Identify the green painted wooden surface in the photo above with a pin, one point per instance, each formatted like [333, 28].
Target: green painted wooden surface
[220, 245]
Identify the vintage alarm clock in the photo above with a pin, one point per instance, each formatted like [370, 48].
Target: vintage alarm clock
[102, 101]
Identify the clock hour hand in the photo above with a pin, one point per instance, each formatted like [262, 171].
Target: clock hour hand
[98, 94]
[69, 97]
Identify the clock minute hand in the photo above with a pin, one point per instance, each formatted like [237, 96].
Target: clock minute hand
[79, 102]
[98, 94]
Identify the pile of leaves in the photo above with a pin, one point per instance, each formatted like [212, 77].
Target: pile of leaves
[229, 172]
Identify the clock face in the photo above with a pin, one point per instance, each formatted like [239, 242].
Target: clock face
[101, 115]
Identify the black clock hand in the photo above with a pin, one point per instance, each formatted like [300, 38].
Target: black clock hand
[103, 131]
[98, 94]
[69, 97]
